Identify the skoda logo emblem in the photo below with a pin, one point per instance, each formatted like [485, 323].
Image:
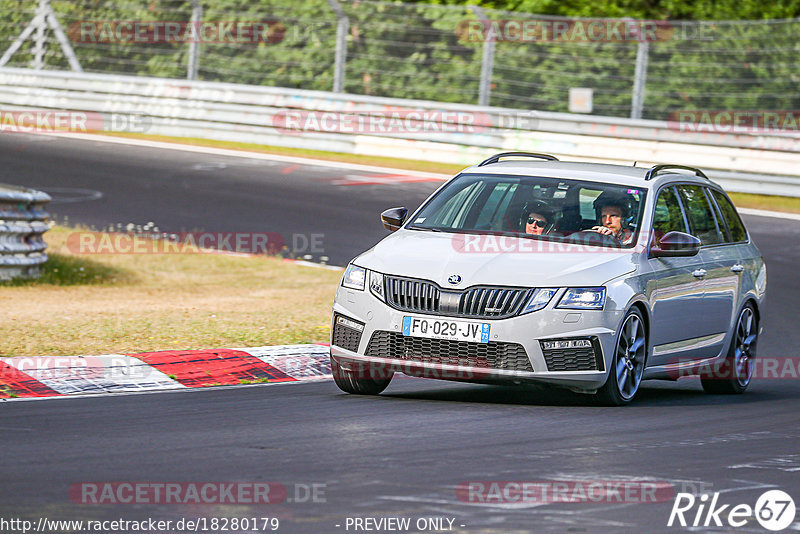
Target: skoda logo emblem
[454, 279]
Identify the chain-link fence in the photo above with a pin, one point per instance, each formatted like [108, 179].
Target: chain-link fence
[444, 53]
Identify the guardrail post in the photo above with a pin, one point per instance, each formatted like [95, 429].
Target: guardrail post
[342, 27]
[639, 79]
[487, 59]
[194, 45]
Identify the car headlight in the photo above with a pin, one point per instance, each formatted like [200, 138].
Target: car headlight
[376, 284]
[540, 298]
[354, 277]
[583, 298]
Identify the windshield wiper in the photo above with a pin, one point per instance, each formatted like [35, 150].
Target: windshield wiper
[426, 228]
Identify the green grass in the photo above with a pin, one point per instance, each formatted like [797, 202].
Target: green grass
[766, 202]
[65, 270]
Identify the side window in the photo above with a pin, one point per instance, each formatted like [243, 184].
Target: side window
[668, 216]
[700, 214]
[586, 199]
[732, 219]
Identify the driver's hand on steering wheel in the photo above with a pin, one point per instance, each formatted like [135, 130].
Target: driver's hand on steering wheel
[603, 230]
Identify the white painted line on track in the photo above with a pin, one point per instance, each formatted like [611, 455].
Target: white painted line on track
[766, 213]
[253, 155]
[321, 163]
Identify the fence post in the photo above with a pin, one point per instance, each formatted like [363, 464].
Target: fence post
[44, 17]
[194, 46]
[487, 59]
[342, 27]
[40, 39]
[639, 79]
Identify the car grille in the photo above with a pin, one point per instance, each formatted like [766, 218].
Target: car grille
[485, 302]
[492, 355]
[575, 359]
[344, 336]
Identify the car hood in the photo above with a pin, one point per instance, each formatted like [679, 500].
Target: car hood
[495, 260]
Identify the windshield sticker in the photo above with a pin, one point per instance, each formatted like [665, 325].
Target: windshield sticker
[420, 220]
[633, 191]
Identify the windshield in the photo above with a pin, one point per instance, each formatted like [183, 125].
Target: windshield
[536, 207]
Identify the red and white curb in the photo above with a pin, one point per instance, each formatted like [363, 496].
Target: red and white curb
[53, 376]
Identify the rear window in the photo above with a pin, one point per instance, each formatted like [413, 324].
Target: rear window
[732, 219]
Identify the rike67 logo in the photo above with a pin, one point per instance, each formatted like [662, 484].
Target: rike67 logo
[774, 510]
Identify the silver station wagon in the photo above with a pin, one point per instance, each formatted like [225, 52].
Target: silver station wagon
[526, 269]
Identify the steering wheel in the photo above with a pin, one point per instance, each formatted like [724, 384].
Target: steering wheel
[590, 237]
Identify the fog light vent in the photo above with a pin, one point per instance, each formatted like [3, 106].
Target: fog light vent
[576, 354]
[346, 333]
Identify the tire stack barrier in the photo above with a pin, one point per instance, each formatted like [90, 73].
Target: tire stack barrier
[23, 221]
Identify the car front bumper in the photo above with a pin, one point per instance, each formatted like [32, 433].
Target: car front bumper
[527, 330]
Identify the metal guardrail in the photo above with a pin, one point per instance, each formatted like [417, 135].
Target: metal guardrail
[22, 225]
[762, 162]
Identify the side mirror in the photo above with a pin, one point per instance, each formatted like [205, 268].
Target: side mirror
[675, 244]
[393, 218]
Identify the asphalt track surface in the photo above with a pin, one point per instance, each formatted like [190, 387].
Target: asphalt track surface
[402, 454]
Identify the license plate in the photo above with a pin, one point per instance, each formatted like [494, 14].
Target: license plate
[446, 329]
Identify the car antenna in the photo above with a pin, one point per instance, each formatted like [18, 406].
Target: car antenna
[634, 163]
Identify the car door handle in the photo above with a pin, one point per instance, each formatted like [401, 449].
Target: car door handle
[699, 273]
[737, 268]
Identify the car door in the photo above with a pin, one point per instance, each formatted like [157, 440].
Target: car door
[718, 259]
[678, 291]
[738, 254]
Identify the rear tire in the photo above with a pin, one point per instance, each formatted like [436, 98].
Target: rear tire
[627, 366]
[363, 380]
[733, 375]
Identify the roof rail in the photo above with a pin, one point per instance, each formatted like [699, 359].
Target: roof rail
[496, 157]
[655, 169]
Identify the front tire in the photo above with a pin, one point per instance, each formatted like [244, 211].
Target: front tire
[362, 380]
[627, 367]
[733, 375]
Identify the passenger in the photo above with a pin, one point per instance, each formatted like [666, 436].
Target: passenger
[538, 216]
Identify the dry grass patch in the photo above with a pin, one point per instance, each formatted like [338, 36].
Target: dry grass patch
[132, 303]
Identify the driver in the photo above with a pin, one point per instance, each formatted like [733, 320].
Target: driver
[613, 213]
